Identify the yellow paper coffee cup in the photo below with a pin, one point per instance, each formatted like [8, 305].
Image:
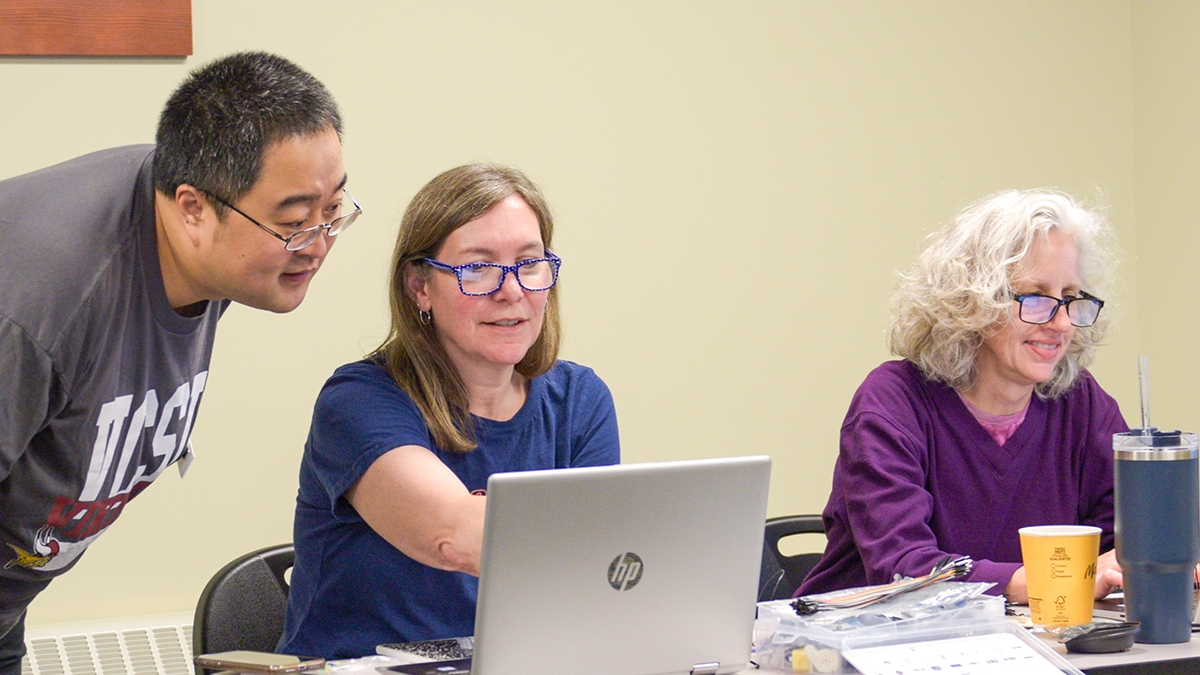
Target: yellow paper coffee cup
[1060, 570]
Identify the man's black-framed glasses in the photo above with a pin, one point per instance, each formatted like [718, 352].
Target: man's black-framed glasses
[1037, 309]
[539, 274]
[349, 210]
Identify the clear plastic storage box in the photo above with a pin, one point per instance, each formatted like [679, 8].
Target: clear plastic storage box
[816, 643]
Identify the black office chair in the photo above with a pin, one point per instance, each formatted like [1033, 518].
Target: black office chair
[243, 605]
[782, 574]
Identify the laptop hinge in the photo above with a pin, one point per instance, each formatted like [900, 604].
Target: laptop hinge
[706, 668]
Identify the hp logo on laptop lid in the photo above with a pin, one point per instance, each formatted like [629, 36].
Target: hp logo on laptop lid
[625, 571]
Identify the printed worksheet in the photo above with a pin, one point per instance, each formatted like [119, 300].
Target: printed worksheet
[990, 654]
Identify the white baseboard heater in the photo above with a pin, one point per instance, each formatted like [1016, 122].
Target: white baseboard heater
[151, 645]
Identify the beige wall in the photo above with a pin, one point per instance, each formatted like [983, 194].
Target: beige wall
[1166, 67]
[734, 183]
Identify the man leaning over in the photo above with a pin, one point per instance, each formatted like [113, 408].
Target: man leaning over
[114, 270]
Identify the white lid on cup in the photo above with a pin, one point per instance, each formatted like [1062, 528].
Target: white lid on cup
[1059, 530]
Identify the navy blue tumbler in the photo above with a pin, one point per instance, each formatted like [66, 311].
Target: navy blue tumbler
[1157, 499]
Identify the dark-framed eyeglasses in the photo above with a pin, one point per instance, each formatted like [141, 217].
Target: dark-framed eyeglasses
[539, 274]
[1037, 309]
[298, 240]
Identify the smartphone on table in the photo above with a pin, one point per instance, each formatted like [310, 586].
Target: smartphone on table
[259, 663]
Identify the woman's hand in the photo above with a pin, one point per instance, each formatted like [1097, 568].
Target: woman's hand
[1017, 591]
[418, 505]
[1108, 574]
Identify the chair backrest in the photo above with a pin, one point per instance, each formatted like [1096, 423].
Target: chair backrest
[782, 574]
[243, 605]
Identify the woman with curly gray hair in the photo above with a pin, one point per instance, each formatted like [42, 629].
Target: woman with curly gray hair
[990, 422]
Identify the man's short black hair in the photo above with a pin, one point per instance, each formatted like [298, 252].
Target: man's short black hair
[215, 128]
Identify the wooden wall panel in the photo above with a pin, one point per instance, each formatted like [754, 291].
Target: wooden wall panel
[95, 27]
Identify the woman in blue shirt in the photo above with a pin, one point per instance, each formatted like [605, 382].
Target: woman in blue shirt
[389, 516]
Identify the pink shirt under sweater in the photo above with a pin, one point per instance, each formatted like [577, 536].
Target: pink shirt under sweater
[999, 427]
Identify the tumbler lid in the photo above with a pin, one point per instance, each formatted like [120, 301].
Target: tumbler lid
[1155, 446]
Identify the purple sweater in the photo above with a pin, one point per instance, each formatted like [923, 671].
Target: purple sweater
[918, 478]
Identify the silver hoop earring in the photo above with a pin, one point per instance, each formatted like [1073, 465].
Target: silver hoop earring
[426, 317]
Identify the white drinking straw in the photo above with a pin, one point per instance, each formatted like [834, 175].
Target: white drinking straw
[1144, 385]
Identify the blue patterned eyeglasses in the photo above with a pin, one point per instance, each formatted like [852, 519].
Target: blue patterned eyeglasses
[539, 274]
[1038, 309]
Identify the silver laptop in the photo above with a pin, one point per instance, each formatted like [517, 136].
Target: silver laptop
[636, 569]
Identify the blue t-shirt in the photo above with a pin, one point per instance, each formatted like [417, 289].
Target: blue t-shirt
[351, 589]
